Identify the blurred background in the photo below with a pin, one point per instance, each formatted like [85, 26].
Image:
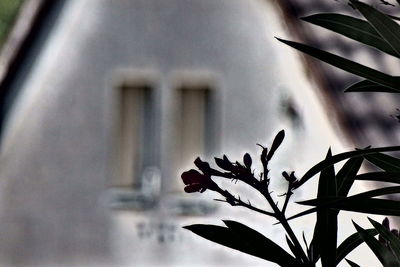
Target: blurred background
[103, 104]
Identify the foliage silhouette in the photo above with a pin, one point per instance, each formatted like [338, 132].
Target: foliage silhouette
[379, 31]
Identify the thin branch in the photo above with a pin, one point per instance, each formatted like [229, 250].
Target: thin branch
[288, 194]
[262, 186]
[282, 219]
[233, 201]
[244, 204]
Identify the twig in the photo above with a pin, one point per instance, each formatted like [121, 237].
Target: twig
[288, 194]
[280, 216]
[233, 201]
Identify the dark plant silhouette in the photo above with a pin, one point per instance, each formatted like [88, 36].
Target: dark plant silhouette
[379, 31]
[235, 233]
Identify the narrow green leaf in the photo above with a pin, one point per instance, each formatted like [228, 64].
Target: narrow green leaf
[365, 195]
[350, 243]
[388, 29]
[377, 192]
[303, 213]
[353, 28]
[327, 181]
[291, 245]
[352, 264]
[357, 203]
[368, 86]
[394, 241]
[240, 237]
[258, 242]
[385, 162]
[339, 157]
[369, 205]
[390, 177]
[325, 231]
[310, 250]
[346, 175]
[381, 252]
[305, 241]
[314, 252]
[347, 65]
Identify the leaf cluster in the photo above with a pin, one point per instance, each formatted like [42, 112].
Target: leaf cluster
[377, 30]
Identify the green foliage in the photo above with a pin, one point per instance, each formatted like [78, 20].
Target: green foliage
[381, 32]
[348, 65]
[384, 254]
[339, 157]
[385, 162]
[353, 28]
[350, 243]
[392, 240]
[325, 231]
[8, 12]
[386, 27]
[352, 264]
[346, 175]
[240, 237]
[368, 86]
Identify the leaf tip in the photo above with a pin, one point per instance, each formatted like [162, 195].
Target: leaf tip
[306, 18]
[358, 228]
[280, 39]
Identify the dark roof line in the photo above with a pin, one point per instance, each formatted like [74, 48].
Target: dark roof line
[31, 19]
[290, 11]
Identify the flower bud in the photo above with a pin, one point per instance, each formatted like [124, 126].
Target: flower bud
[197, 182]
[276, 143]
[290, 178]
[264, 154]
[202, 165]
[224, 163]
[386, 223]
[247, 160]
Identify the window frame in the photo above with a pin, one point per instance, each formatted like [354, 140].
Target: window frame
[144, 191]
[181, 204]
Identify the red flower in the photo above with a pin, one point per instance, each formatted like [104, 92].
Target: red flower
[197, 182]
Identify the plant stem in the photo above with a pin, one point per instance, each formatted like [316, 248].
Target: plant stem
[292, 236]
[287, 197]
[277, 213]
[237, 202]
[282, 219]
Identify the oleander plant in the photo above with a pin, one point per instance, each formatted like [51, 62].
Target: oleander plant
[378, 30]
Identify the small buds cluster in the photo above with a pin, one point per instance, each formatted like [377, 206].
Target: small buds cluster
[224, 163]
[202, 165]
[236, 171]
[196, 181]
[200, 181]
